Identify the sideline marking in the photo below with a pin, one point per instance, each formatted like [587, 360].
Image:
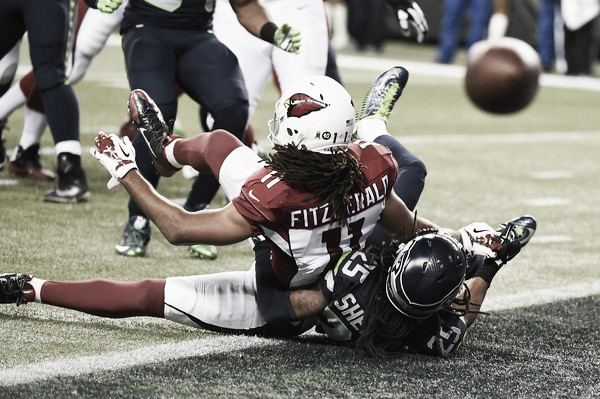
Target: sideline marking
[552, 174]
[552, 239]
[550, 201]
[457, 71]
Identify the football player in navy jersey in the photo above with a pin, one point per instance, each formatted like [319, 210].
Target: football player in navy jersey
[168, 43]
[408, 297]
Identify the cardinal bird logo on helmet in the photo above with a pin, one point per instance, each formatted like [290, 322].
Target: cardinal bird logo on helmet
[299, 105]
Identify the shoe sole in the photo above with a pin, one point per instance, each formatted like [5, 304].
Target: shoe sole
[67, 200]
[203, 255]
[31, 173]
[129, 252]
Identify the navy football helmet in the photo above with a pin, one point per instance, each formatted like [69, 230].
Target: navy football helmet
[427, 274]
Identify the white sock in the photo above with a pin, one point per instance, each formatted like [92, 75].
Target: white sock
[37, 283]
[33, 127]
[11, 100]
[171, 156]
[70, 146]
[371, 128]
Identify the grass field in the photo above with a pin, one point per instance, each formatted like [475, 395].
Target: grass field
[541, 339]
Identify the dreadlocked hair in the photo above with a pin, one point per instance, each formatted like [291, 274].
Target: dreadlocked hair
[330, 177]
[383, 326]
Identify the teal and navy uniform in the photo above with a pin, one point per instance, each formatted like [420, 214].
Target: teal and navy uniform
[347, 286]
[168, 43]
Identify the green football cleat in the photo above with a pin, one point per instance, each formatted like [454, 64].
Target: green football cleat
[514, 235]
[135, 237]
[383, 94]
[203, 251]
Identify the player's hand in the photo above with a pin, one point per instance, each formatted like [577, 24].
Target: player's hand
[288, 38]
[108, 6]
[480, 239]
[411, 19]
[115, 154]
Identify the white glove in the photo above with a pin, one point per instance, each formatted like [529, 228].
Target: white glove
[480, 239]
[410, 16]
[115, 154]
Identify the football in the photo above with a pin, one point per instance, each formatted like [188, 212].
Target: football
[502, 75]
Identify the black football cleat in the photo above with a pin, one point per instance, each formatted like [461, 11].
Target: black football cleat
[383, 94]
[514, 235]
[26, 163]
[12, 286]
[148, 119]
[72, 181]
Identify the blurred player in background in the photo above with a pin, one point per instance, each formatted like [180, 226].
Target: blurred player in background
[479, 12]
[166, 45]
[49, 25]
[92, 30]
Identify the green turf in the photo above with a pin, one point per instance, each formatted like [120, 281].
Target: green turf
[481, 167]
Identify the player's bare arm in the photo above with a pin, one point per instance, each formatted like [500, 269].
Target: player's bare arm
[308, 302]
[218, 227]
[478, 288]
[212, 226]
[254, 19]
[251, 15]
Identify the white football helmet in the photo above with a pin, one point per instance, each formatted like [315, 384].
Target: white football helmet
[315, 112]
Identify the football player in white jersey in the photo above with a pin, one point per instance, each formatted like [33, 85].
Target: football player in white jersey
[258, 59]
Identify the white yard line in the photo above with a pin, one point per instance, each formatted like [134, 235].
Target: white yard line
[71, 367]
[457, 71]
[542, 296]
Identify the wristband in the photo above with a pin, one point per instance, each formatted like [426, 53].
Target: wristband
[487, 271]
[267, 32]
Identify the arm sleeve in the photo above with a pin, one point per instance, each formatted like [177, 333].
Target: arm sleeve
[273, 298]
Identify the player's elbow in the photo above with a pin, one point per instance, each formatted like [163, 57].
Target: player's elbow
[175, 232]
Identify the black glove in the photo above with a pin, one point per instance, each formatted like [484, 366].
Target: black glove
[411, 19]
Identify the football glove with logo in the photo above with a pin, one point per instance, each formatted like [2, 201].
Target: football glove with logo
[411, 19]
[288, 38]
[115, 154]
[480, 239]
[108, 6]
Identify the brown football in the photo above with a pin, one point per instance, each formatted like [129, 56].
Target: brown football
[502, 75]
